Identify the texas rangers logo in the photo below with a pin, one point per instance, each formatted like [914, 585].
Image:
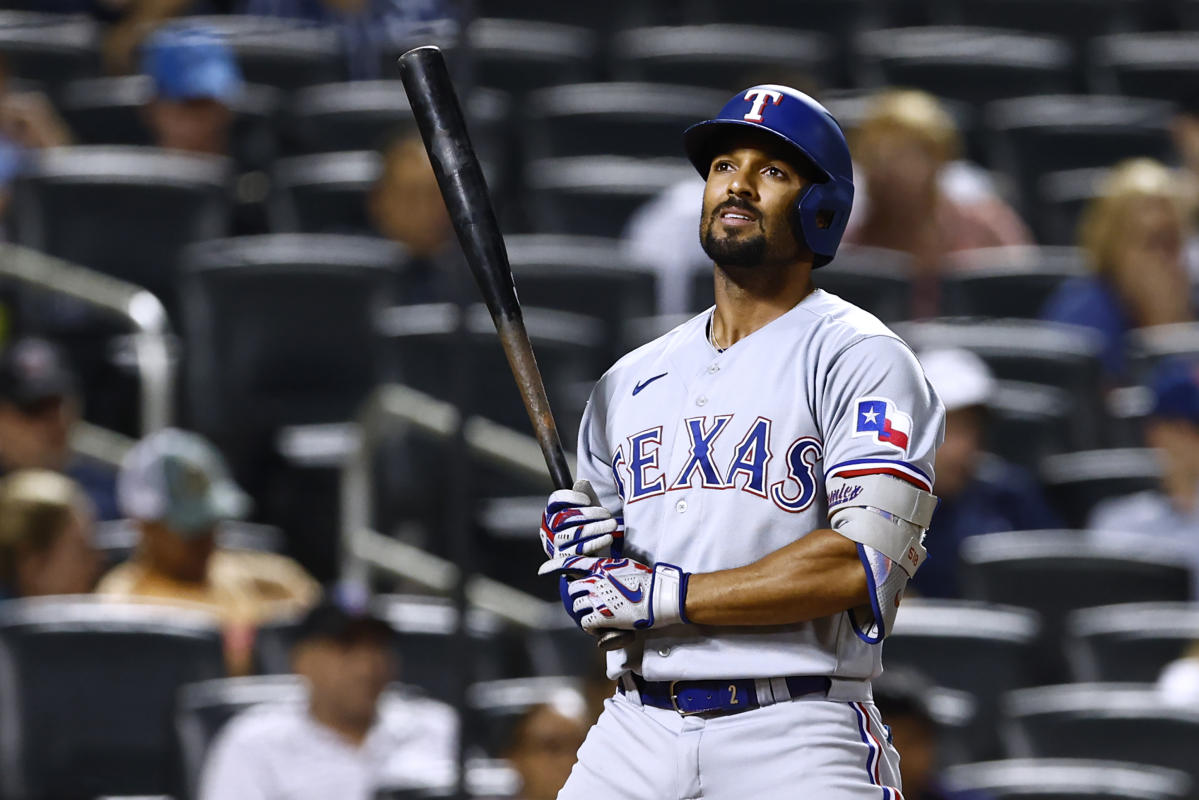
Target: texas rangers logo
[760, 96]
[880, 418]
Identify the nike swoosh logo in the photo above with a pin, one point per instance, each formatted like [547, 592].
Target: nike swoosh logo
[647, 382]
[633, 596]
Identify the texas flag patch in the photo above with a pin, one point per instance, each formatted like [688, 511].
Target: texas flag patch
[878, 417]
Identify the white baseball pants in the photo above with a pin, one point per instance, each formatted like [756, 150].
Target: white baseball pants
[810, 747]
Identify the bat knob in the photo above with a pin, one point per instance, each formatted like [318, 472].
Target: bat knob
[615, 640]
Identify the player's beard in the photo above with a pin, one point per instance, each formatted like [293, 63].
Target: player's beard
[747, 249]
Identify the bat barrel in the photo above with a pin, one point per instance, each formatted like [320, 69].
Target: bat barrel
[463, 186]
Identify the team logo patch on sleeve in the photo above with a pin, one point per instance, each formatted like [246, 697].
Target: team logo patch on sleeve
[879, 418]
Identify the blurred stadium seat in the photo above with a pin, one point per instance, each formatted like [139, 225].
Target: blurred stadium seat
[348, 116]
[583, 275]
[972, 65]
[1006, 281]
[1028, 422]
[249, 373]
[49, 49]
[284, 53]
[570, 351]
[519, 56]
[1117, 721]
[82, 716]
[1045, 133]
[1056, 572]
[262, 355]
[1130, 642]
[1160, 65]
[595, 195]
[628, 119]
[324, 193]
[723, 57]
[1030, 351]
[94, 206]
[645, 329]
[876, 279]
[1067, 779]
[108, 110]
[497, 705]
[1076, 482]
[1075, 19]
[982, 650]
[1062, 197]
[1147, 347]
[424, 643]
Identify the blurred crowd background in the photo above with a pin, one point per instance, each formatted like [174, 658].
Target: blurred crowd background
[254, 424]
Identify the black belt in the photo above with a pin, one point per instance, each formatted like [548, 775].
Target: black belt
[721, 697]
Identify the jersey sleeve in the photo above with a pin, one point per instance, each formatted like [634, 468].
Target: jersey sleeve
[595, 456]
[879, 414]
[880, 417]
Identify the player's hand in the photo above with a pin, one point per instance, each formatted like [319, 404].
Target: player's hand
[575, 524]
[620, 593]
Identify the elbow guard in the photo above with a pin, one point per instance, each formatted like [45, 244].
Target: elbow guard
[887, 518]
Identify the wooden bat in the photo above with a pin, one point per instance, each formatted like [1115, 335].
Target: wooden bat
[443, 129]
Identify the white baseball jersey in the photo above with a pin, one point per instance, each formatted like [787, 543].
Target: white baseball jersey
[716, 459]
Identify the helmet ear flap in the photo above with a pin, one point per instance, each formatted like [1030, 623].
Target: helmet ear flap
[819, 219]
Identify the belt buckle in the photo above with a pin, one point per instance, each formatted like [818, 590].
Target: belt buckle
[674, 701]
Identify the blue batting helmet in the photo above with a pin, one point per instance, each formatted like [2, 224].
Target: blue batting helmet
[800, 122]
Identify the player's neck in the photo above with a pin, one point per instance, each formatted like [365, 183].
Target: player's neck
[748, 298]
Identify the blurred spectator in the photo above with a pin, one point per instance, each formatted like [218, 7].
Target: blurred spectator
[903, 701]
[405, 206]
[903, 150]
[1171, 511]
[979, 491]
[45, 536]
[196, 78]
[176, 487]
[348, 741]
[1133, 235]
[39, 408]
[370, 30]
[543, 748]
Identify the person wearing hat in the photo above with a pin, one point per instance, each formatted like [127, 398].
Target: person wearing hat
[980, 492]
[175, 486]
[196, 81]
[1170, 511]
[39, 408]
[348, 739]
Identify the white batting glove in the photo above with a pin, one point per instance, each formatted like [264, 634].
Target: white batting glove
[574, 523]
[620, 593]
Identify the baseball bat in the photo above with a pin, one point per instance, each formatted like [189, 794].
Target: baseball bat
[464, 189]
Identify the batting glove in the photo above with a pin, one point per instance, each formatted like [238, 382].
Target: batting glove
[606, 593]
[575, 524]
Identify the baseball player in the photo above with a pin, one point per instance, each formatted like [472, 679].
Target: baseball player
[763, 472]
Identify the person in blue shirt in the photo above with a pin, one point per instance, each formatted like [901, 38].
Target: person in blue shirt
[980, 492]
[1134, 235]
